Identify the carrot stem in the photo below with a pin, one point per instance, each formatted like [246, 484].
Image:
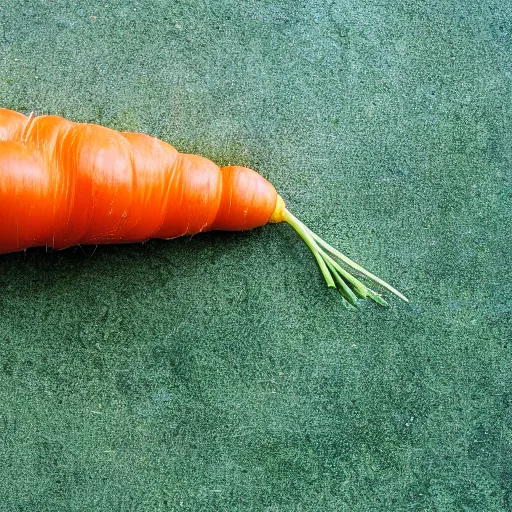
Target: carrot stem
[334, 274]
[303, 233]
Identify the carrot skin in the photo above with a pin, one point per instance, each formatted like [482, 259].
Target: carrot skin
[247, 200]
[91, 185]
[26, 211]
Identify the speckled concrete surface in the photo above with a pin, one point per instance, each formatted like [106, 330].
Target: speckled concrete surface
[218, 372]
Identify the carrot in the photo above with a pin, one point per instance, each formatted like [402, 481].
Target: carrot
[65, 183]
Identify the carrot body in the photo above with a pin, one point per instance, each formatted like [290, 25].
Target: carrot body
[65, 183]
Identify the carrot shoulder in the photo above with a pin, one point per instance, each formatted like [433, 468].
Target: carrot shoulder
[65, 183]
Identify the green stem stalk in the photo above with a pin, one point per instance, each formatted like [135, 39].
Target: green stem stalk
[334, 274]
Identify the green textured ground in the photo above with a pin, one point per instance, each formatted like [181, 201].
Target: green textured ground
[218, 372]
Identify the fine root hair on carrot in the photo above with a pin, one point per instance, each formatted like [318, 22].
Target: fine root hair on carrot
[350, 287]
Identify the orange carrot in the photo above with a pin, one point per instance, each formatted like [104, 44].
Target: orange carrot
[65, 183]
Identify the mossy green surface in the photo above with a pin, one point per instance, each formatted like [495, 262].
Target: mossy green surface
[217, 372]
